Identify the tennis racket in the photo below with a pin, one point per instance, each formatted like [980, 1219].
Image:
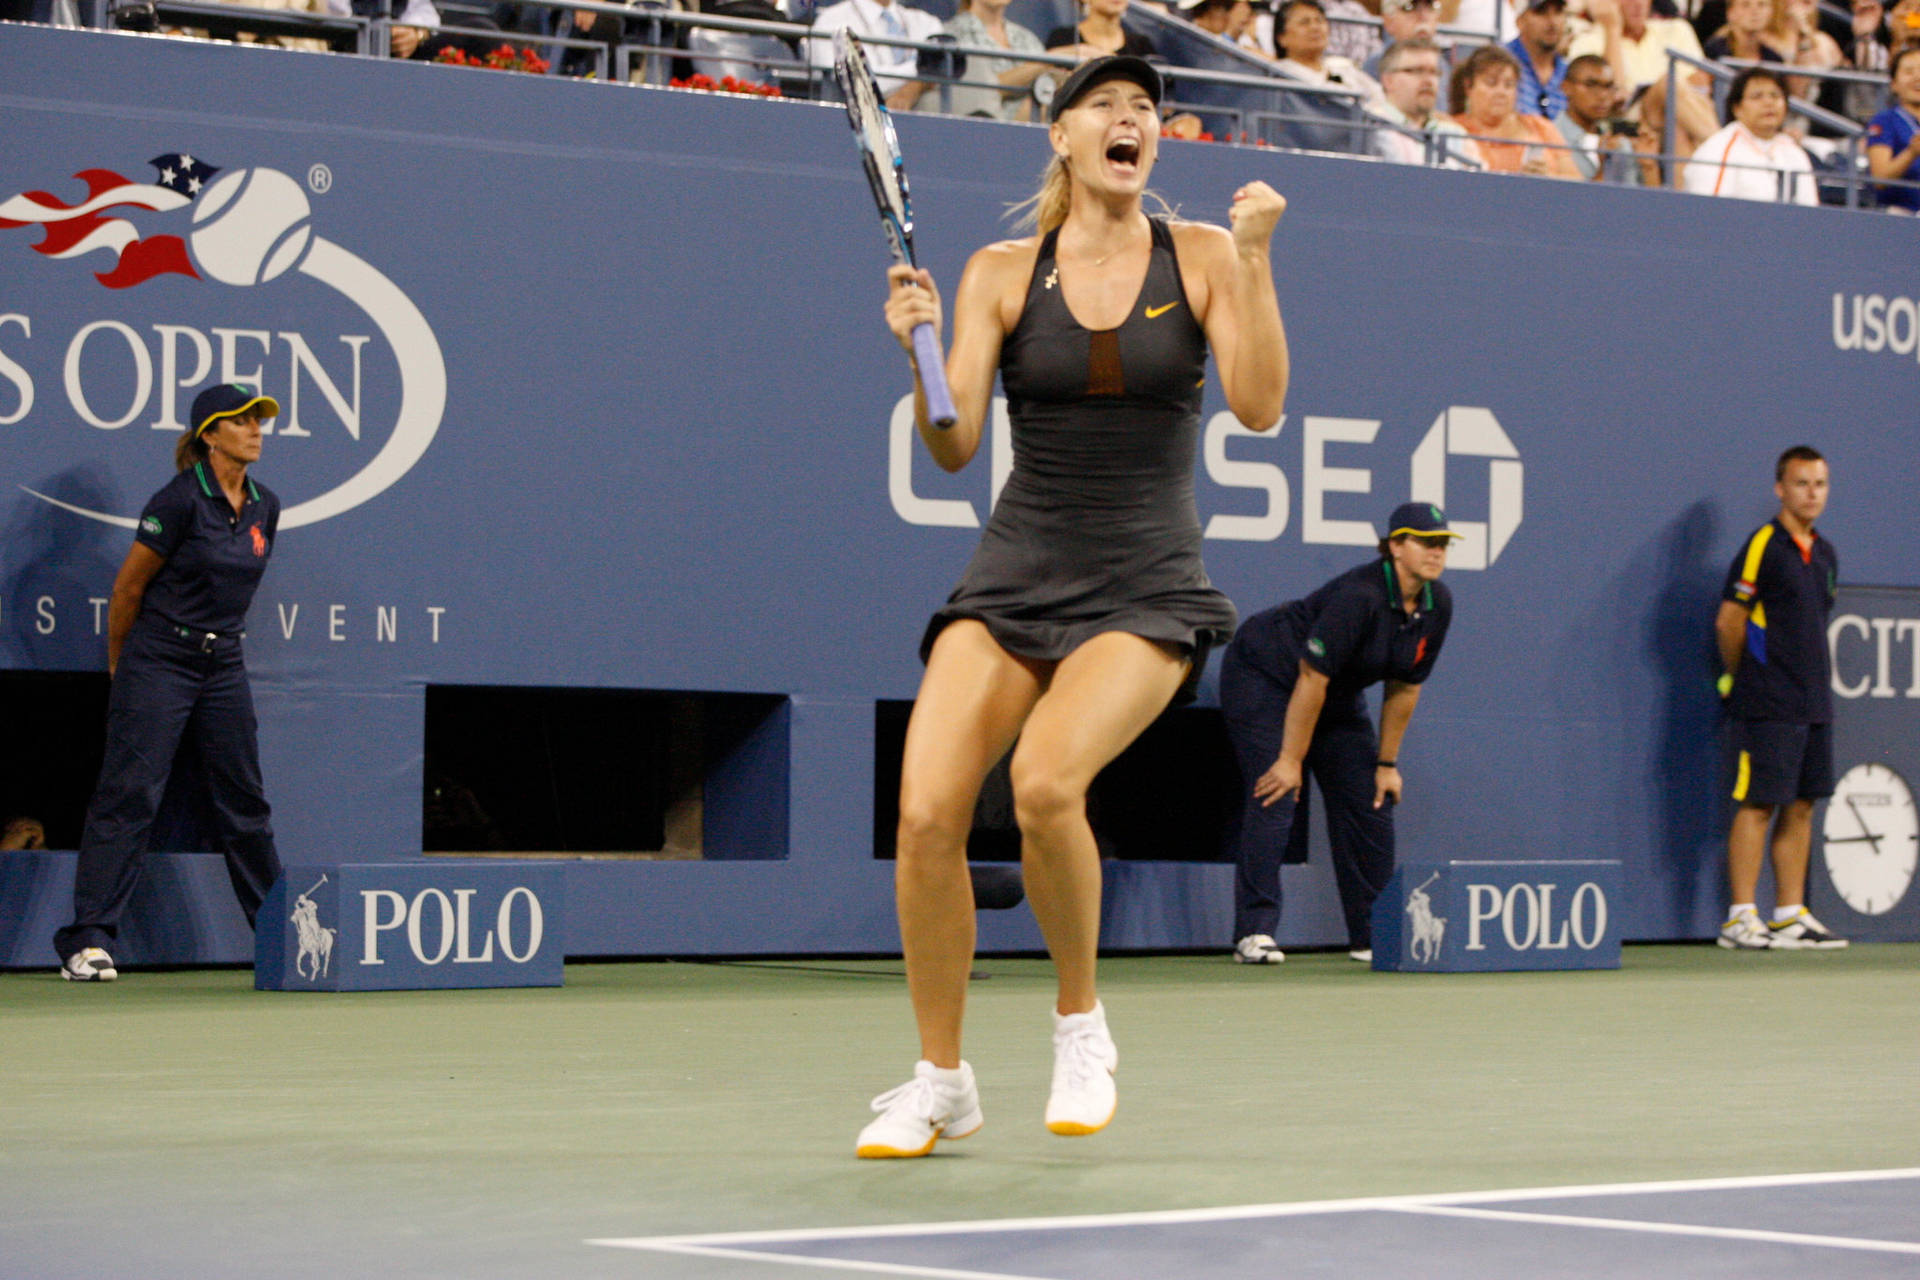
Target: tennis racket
[887, 175]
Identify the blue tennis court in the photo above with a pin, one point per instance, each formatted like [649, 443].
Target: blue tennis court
[1843, 1226]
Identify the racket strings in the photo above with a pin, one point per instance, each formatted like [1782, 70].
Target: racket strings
[878, 140]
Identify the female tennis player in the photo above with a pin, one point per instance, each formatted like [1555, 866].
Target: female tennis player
[1086, 608]
[174, 627]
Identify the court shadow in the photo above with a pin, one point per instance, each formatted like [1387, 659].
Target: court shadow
[1690, 808]
[1638, 727]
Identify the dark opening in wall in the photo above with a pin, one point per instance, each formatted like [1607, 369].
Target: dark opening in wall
[53, 732]
[605, 772]
[1170, 797]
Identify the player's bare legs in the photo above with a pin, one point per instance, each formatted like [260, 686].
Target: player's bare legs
[1102, 696]
[972, 701]
[1100, 699]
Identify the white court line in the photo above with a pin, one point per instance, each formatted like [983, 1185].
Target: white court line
[837, 1264]
[1232, 1212]
[1665, 1228]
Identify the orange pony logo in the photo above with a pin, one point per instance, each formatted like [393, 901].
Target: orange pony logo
[259, 541]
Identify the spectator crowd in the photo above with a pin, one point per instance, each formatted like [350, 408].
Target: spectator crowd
[1614, 91]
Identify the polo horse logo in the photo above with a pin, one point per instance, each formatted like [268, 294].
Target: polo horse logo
[316, 943]
[1428, 928]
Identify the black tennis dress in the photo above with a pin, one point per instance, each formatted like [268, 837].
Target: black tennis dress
[1096, 528]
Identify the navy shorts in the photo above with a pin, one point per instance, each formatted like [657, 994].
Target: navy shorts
[1776, 763]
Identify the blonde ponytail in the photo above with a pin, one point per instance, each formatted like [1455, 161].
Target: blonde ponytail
[1046, 208]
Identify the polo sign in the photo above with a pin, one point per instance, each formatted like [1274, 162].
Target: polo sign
[408, 926]
[1470, 916]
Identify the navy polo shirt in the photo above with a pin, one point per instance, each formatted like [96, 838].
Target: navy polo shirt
[214, 556]
[1895, 128]
[1788, 588]
[1354, 631]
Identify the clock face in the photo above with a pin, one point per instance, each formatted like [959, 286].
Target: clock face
[1871, 838]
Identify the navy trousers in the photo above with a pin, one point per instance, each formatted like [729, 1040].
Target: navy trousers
[1340, 761]
[170, 692]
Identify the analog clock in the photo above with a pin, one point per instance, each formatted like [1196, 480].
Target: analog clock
[1872, 838]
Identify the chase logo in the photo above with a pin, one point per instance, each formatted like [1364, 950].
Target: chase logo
[246, 228]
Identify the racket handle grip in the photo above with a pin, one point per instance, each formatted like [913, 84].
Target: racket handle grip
[933, 376]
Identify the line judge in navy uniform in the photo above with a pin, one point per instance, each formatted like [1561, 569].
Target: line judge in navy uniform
[1292, 688]
[174, 627]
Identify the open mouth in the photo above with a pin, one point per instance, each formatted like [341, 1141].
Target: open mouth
[1124, 152]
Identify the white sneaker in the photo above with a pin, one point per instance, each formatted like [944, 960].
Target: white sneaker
[1363, 954]
[1803, 933]
[1745, 932]
[1084, 1059]
[90, 965]
[936, 1103]
[1257, 948]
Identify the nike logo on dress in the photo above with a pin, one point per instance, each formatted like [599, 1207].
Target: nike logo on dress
[1162, 309]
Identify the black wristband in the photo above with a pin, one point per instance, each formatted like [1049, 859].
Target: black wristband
[1385, 764]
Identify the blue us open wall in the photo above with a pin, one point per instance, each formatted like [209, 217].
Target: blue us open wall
[670, 456]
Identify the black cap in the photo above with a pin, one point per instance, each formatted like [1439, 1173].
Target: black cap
[229, 400]
[1114, 66]
[1421, 519]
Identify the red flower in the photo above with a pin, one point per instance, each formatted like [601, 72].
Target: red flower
[729, 84]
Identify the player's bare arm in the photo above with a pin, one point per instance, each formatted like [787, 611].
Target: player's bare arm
[992, 291]
[1235, 302]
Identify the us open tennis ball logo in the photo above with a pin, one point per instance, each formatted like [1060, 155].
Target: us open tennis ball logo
[251, 226]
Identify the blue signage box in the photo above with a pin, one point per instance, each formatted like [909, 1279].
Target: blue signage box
[1487, 916]
[405, 926]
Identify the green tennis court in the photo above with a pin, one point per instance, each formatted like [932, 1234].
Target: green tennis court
[181, 1124]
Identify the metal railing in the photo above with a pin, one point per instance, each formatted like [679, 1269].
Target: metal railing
[1441, 33]
[1257, 104]
[1851, 132]
[342, 34]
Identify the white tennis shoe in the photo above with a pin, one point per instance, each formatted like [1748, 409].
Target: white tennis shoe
[1257, 948]
[936, 1103]
[92, 964]
[1803, 933]
[1084, 1059]
[1745, 932]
